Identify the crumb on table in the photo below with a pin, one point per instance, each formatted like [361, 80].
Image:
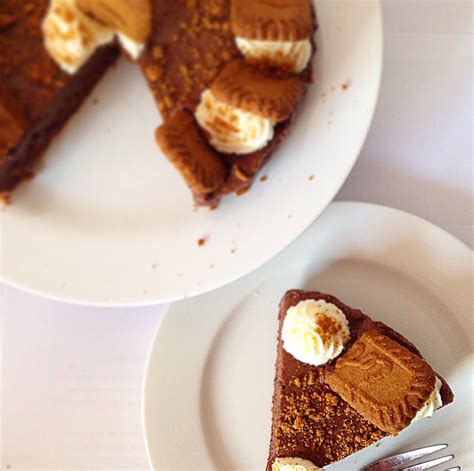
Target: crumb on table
[201, 241]
[263, 178]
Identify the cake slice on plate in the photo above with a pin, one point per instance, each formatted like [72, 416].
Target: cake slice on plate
[343, 382]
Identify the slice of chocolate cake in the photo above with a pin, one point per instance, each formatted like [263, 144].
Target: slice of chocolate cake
[343, 382]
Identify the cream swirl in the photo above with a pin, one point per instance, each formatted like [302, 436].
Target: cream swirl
[433, 402]
[71, 37]
[292, 55]
[134, 48]
[315, 331]
[293, 464]
[232, 130]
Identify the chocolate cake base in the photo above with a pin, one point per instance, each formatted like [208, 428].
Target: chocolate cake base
[310, 421]
[20, 161]
[36, 96]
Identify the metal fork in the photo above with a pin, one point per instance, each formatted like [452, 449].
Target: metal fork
[394, 462]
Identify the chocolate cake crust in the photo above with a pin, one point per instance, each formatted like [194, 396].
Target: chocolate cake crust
[309, 420]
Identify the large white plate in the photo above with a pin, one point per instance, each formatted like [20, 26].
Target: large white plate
[209, 378]
[109, 221]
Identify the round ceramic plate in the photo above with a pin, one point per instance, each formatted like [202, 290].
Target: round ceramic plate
[109, 221]
[209, 377]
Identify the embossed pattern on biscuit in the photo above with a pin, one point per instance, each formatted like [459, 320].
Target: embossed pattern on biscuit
[183, 143]
[386, 383]
[274, 20]
[243, 86]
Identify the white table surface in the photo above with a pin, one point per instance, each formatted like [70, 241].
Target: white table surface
[70, 376]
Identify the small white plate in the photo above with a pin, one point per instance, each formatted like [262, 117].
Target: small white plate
[209, 377]
[109, 221]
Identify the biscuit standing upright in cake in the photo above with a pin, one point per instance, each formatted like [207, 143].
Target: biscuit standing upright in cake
[183, 143]
[243, 86]
[274, 32]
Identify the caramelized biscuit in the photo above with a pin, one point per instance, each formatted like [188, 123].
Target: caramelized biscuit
[274, 20]
[243, 86]
[183, 143]
[130, 17]
[383, 381]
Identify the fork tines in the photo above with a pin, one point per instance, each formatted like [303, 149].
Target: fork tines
[395, 461]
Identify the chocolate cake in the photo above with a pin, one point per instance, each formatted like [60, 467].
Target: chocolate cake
[190, 44]
[372, 385]
[36, 96]
[238, 68]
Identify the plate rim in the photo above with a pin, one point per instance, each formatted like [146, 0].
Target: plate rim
[421, 222]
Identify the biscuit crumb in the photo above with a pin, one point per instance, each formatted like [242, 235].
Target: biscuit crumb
[201, 241]
[5, 199]
[346, 85]
[311, 177]
[233, 250]
[242, 191]
[263, 178]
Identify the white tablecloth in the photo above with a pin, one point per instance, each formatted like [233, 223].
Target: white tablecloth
[71, 376]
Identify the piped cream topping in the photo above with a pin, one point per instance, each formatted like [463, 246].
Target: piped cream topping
[315, 331]
[71, 37]
[134, 48]
[433, 402]
[232, 130]
[291, 55]
[294, 464]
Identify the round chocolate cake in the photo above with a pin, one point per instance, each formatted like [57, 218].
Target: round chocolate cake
[227, 77]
